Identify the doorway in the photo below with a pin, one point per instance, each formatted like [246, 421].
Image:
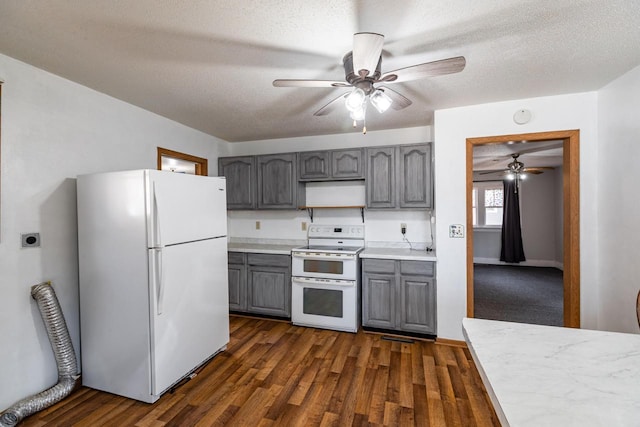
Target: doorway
[571, 215]
[176, 161]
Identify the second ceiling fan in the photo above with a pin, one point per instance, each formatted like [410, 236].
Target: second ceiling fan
[362, 68]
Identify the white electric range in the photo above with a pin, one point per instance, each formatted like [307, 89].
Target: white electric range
[326, 278]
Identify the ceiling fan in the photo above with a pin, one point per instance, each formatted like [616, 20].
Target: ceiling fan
[516, 168]
[362, 68]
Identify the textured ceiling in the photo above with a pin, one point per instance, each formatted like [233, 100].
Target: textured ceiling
[210, 64]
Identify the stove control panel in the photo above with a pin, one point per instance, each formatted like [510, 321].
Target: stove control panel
[336, 231]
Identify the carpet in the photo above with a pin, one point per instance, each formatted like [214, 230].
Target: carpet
[518, 294]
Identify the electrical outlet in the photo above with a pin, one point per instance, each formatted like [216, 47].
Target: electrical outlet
[303, 226]
[257, 225]
[403, 228]
[456, 231]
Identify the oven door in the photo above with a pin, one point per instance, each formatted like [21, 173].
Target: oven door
[324, 265]
[325, 303]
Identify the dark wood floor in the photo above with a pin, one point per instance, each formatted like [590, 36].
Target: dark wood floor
[276, 374]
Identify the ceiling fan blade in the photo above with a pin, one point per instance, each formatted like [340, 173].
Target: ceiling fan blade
[399, 101]
[367, 48]
[331, 106]
[537, 170]
[500, 171]
[429, 69]
[309, 83]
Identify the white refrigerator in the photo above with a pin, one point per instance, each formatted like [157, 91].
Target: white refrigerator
[154, 301]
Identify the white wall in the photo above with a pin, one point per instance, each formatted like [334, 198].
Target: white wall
[619, 202]
[381, 227]
[52, 131]
[540, 232]
[451, 129]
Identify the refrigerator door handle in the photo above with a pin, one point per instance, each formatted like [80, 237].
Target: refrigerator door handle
[156, 268]
[155, 220]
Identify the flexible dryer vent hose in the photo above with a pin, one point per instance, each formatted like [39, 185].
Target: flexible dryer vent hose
[63, 353]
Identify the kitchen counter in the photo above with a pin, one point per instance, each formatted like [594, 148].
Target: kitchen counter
[263, 247]
[550, 376]
[398, 253]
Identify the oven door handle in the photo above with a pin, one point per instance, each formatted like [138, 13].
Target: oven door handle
[325, 283]
[323, 257]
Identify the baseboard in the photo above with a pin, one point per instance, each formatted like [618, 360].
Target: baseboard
[447, 341]
[527, 263]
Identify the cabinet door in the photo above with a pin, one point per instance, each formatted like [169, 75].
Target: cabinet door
[417, 310]
[240, 173]
[347, 164]
[237, 287]
[379, 300]
[381, 182]
[278, 186]
[314, 165]
[269, 290]
[414, 176]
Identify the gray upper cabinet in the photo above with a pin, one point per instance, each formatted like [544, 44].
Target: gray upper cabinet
[399, 177]
[240, 174]
[414, 171]
[331, 165]
[314, 165]
[381, 177]
[347, 164]
[278, 187]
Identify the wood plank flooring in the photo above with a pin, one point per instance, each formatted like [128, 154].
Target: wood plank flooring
[277, 374]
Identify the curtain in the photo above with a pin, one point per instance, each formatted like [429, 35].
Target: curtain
[512, 250]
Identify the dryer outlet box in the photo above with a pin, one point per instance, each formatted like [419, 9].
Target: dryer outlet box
[30, 240]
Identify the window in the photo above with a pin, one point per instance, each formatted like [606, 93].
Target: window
[487, 204]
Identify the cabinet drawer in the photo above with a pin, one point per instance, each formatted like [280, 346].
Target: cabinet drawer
[235, 257]
[269, 260]
[425, 268]
[373, 265]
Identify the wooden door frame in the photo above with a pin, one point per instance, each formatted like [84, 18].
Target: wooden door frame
[202, 164]
[571, 214]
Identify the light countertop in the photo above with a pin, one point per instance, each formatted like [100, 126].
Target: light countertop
[262, 248]
[398, 253]
[550, 376]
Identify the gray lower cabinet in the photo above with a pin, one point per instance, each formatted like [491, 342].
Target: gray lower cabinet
[278, 186]
[237, 281]
[399, 177]
[260, 283]
[240, 174]
[399, 295]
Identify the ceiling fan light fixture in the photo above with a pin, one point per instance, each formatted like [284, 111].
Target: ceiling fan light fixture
[380, 100]
[358, 114]
[355, 100]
